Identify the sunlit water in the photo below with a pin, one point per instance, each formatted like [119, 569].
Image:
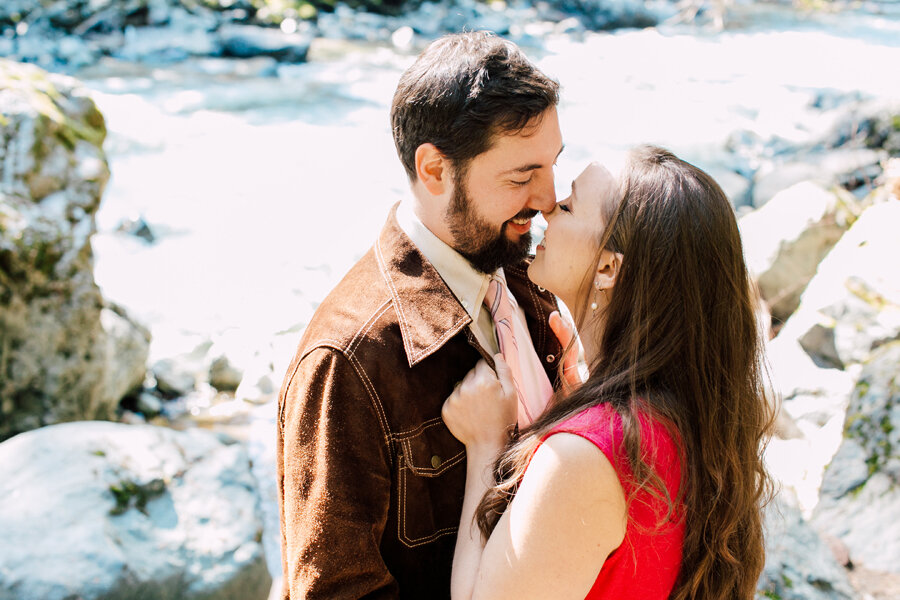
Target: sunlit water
[264, 190]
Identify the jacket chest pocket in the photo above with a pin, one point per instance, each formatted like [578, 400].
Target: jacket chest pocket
[431, 479]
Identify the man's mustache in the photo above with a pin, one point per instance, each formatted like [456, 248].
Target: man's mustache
[527, 213]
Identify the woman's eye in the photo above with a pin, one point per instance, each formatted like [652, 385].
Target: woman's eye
[564, 207]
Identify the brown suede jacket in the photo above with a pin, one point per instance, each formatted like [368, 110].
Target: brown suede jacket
[371, 480]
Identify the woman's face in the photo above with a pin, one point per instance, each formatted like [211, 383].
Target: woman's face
[567, 255]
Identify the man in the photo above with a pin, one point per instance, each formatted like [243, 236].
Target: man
[371, 480]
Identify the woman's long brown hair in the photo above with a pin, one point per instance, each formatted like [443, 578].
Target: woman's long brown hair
[679, 344]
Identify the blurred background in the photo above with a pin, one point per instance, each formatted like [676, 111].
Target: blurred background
[183, 181]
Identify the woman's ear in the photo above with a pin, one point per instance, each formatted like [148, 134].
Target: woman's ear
[432, 169]
[608, 268]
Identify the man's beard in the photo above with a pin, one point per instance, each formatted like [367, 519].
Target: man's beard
[484, 248]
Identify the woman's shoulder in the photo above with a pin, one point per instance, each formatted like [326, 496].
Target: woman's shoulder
[600, 424]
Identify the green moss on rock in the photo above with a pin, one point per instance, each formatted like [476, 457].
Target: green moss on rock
[127, 493]
[41, 94]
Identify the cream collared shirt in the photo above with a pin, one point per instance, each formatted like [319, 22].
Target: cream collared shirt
[468, 285]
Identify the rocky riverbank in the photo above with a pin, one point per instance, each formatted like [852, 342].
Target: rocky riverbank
[70, 34]
[228, 217]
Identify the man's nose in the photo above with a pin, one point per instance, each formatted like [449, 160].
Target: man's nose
[544, 196]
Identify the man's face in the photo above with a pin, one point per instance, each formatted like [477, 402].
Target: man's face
[500, 191]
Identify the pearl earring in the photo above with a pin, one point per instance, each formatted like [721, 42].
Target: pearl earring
[594, 303]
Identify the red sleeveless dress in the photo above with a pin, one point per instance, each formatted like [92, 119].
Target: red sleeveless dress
[645, 566]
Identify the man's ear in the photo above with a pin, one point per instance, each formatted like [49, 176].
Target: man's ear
[608, 268]
[432, 169]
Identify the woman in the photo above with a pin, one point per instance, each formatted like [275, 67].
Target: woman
[647, 480]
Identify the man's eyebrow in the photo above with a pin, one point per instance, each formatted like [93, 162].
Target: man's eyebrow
[527, 168]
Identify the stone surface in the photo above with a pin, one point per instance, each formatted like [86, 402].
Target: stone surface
[127, 349]
[849, 167]
[223, 375]
[174, 377]
[244, 41]
[785, 240]
[860, 500]
[873, 124]
[114, 511]
[799, 564]
[74, 33]
[813, 406]
[856, 290]
[61, 357]
[258, 386]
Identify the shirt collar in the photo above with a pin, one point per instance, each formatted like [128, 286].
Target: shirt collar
[468, 285]
[428, 313]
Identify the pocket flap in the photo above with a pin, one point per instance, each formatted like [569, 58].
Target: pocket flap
[431, 449]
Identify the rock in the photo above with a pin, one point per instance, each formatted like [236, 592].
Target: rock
[819, 344]
[257, 386]
[165, 44]
[855, 292]
[127, 349]
[236, 355]
[224, 376]
[174, 377]
[75, 52]
[149, 404]
[113, 511]
[860, 501]
[12, 11]
[873, 123]
[604, 15]
[244, 41]
[785, 240]
[849, 167]
[138, 227]
[891, 179]
[736, 186]
[59, 363]
[830, 99]
[799, 563]
[811, 418]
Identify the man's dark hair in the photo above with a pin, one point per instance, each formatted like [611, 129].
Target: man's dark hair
[463, 90]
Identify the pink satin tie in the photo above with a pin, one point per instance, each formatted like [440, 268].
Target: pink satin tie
[532, 385]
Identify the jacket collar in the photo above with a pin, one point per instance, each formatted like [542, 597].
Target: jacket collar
[427, 311]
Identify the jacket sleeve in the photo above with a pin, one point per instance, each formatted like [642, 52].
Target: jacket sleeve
[334, 466]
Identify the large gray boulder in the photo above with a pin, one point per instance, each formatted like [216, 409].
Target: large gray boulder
[799, 564]
[785, 240]
[852, 305]
[63, 355]
[860, 498]
[98, 510]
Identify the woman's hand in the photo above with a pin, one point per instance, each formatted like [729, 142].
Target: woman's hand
[481, 411]
[565, 332]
